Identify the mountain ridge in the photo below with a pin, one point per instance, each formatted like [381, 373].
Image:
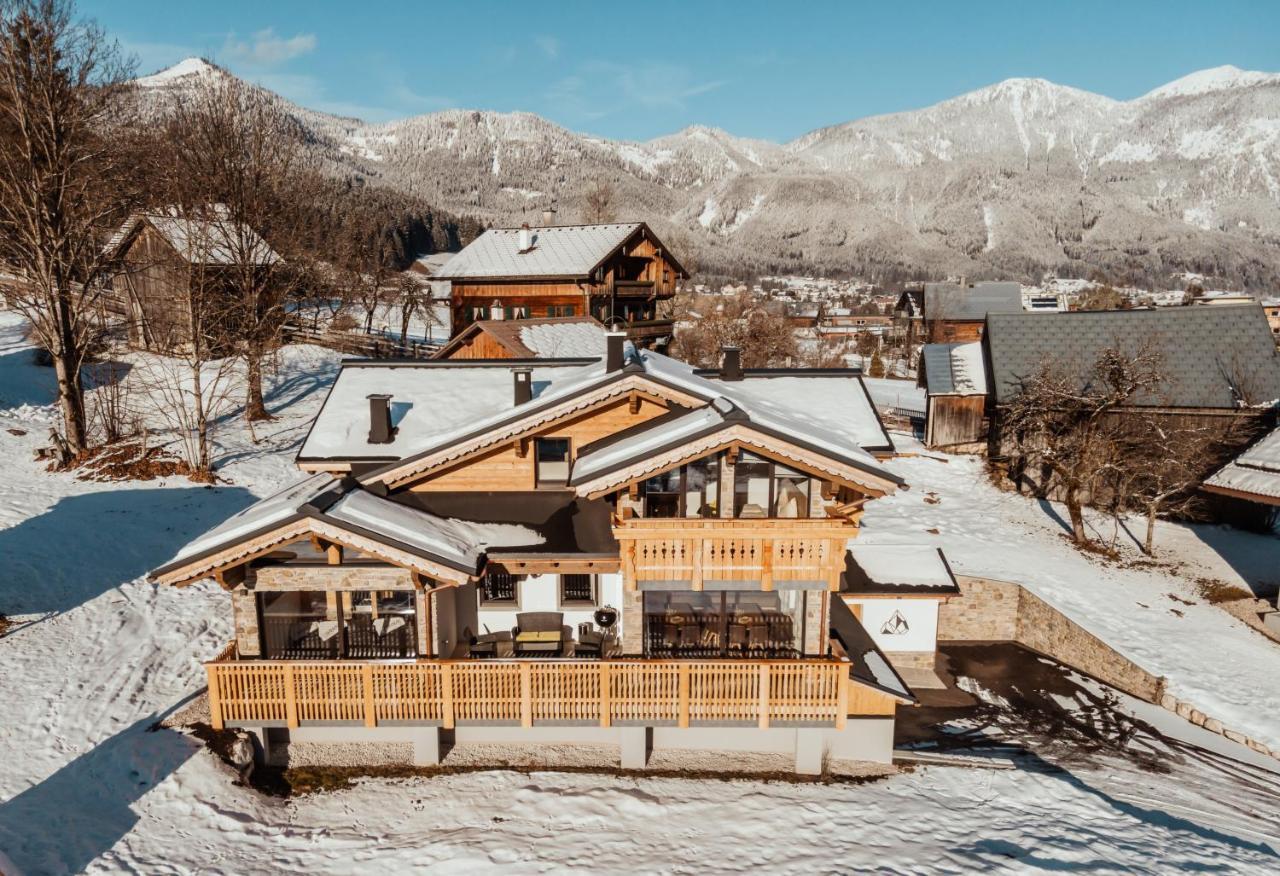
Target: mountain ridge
[1017, 178]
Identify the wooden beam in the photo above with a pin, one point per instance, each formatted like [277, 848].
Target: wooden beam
[334, 553]
[766, 564]
[634, 403]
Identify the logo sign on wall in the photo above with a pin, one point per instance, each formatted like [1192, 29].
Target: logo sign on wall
[896, 625]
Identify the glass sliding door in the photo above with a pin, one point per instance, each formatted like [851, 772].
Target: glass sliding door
[702, 624]
[380, 624]
[300, 625]
[329, 625]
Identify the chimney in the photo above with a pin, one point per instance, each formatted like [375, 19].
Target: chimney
[380, 429]
[523, 385]
[614, 350]
[526, 238]
[549, 216]
[731, 365]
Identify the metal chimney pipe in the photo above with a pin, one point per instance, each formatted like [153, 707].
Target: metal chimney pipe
[525, 239]
[615, 347]
[731, 365]
[523, 385]
[380, 428]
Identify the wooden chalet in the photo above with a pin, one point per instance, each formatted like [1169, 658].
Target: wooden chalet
[562, 337]
[957, 312]
[161, 256]
[616, 273]
[622, 549]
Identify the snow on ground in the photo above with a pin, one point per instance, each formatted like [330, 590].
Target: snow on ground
[1153, 616]
[886, 392]
[98, 655]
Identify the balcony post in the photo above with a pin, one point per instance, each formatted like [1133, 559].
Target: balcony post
[683, 720]
[698, 547]
[606, 708]
[764, 696]
[766, 565]
[526, 694]
[446, 692]
[215, 696]
[290, 698]
[842, 697]
[370, 716]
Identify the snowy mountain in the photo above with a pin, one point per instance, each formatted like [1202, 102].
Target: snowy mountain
[1022, 177]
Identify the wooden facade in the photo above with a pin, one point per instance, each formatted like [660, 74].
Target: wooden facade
[955, 421]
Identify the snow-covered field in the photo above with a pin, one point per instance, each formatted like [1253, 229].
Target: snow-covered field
[98, 655]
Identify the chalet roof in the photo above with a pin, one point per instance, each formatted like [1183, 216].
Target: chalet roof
[217, 240]
[559, 523]
[971, 302]
[547, 338]
[1255, 473]
[827, 410]
[868, 666]
[1212, 357]
[455, 544]
[954, 369]
[901, 569]
[560, 251]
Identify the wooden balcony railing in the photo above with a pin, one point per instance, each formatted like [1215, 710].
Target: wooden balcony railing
[683, 693]
[698, 550]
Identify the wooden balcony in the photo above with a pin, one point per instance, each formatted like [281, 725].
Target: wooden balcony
[682, 693]
[701, 550]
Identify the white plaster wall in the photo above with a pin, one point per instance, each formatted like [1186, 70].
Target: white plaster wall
[542, 593]
[921, 616]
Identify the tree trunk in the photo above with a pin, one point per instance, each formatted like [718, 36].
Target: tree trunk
[1076, 513]
[254, 407]
[1149, 546]
[71, 400]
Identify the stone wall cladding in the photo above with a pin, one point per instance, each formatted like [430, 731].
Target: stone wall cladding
[244, 611]
[318, 577]
[912, 659]
[997, 611]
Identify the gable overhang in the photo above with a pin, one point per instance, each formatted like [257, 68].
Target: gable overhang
[522, 424]
[221, 558]
[738, 434]
[642, 230]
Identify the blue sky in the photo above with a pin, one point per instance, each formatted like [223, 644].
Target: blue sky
[636, 71]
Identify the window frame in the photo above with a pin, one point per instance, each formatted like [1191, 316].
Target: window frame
[538, 482]
[593, 582]
[682, 489]
[517, 590]
[771, 512]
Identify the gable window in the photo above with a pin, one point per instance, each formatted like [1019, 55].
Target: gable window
[499, 588]
[692, 490]
[763, 488]
[552, 457]
[577, 590]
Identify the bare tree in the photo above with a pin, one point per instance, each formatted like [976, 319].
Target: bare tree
[243, 155]
[765, 336]
[597, 202]
[1066, 425]
[67, 177]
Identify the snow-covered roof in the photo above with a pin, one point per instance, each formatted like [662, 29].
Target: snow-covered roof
[659, 433]
[868, 664]
[1256, 471]
[955, 369]
[563, 337]
[216, 240]
[556, 251]
[905, 569]
[430, 402]
[272, 510]
[952, 301]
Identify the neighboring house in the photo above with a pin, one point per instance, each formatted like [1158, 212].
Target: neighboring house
[1254, 475]
[955, 313]
[954, 378]
[1271, 306]
[161, 256]
[565, 337]
[628, 550]
[616, 273]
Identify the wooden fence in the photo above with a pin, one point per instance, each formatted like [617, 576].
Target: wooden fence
[442, 692]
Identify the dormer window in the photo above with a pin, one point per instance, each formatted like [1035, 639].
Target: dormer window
[552, 458]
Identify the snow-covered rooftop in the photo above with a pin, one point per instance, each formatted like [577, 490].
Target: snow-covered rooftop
[553, 339]
[1256, 471]
[213, 240]
[955, 369]
[557, 251]
[904, 568]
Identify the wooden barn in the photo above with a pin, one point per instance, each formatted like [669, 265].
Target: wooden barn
[616, 273]
[955, 382]
[162, 256]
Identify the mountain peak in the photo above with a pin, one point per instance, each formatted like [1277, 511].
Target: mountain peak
[186, 68]
[1214, 79]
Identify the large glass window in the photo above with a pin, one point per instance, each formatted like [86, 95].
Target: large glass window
[763, 488]
[691, 490]
[552, 455]
[725, 624]
[362, 624]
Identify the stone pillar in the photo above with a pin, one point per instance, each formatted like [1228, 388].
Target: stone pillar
[244, 609]
[811, 751]
[815, 633]
[631, 627]
[634, 742]
[426, 746]
[726, 486]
